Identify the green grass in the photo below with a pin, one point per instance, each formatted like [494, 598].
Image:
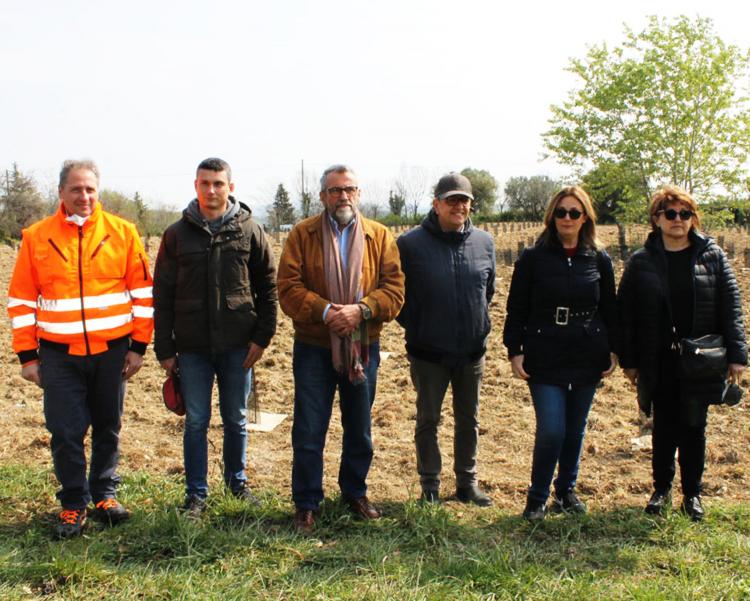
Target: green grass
[413, 552]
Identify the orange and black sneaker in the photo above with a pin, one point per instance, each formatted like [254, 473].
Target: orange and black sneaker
[110, 512]
[70, 523]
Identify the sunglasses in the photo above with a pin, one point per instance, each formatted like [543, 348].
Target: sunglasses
[574, 214]
[452, 201]
[671, 214]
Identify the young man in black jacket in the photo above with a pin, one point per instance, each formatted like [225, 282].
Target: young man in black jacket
[215, 313]
[450, 279]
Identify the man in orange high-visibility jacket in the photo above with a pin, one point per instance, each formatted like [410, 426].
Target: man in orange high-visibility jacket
[82, 316]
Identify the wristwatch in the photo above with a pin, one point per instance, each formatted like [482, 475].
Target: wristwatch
[366, 312]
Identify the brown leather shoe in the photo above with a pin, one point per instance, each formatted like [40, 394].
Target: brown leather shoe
[304, 521]
[363, 508]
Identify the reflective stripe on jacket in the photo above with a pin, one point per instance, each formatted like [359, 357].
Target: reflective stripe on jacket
[80, 286]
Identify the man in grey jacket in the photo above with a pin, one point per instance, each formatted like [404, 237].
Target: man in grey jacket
[214, 313]
[450, 279]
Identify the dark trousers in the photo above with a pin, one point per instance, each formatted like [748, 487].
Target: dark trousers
[431, 383]
[82, 392]
[315, 383]
[679, 423]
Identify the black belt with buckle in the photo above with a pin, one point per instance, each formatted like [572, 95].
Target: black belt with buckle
[563, 315]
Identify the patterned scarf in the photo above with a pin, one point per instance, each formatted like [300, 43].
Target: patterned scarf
[344, 288]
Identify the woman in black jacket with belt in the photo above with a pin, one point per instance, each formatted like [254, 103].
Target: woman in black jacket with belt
[560, 333]
[679, 285]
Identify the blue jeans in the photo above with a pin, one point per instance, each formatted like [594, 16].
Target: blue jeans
[561, 416]
[197, 372]
[315, 383]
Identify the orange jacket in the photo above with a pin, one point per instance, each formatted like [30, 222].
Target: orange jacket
[303, 292]
[80, 286]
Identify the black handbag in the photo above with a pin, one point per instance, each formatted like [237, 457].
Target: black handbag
[703, 358]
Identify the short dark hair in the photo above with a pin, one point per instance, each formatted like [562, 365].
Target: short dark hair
[73, 164]
[214, 164]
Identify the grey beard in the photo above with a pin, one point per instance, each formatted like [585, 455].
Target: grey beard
[344, 216]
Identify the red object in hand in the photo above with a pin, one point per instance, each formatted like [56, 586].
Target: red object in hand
[172, 396]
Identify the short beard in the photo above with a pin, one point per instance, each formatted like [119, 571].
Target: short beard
[343, 215]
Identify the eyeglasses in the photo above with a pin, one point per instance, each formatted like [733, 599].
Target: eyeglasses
[338, 191]
[671, 214]
[452, 201]
[574, 214]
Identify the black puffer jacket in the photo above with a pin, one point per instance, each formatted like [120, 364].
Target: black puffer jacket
[642, 302]
[450, 280]
[213, 292]
[544, 279]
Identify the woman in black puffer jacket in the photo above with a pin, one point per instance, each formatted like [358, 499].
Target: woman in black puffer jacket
[560, 332]
[679, 285]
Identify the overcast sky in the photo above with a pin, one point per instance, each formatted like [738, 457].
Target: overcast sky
[148, 89]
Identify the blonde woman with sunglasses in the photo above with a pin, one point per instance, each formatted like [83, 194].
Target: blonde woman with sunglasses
[560, 332]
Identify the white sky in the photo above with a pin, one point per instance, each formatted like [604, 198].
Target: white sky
[148, 89]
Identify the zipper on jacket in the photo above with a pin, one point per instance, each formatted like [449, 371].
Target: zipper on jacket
[99, 246]
[59, 252]
[80, 288]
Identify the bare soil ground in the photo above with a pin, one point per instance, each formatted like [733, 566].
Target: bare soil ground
[615, 471]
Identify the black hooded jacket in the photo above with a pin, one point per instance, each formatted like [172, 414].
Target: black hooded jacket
[642, 303]
[450, 281]
[214, 291]
[545, 279]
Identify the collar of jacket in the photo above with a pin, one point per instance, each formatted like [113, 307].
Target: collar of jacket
[93, 218]
[699, 241]
[244, 213]
[431, 223]
[556, 246]
[316, 225]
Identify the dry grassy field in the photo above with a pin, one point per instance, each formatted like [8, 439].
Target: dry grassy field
[615, 466]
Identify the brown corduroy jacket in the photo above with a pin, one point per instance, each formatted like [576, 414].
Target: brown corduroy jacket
[303, 294]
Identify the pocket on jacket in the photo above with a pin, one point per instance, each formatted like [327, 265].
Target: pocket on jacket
[52, 265]
[596, 345]
[109, 262]
[239, 302]
[539, 347]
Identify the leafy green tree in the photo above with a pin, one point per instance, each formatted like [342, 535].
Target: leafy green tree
[615, 190]
[396, 203]
[529, 195]
[666, 106]
[484, 187]
[21, 204]
[281, 212]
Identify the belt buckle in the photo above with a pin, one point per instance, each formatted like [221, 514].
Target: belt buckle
[561, 316]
